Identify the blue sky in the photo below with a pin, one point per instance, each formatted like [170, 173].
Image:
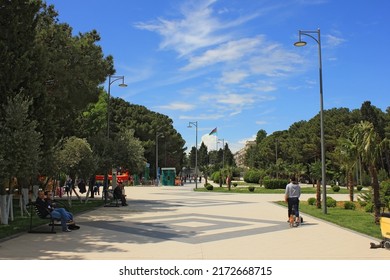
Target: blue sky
[231, 64]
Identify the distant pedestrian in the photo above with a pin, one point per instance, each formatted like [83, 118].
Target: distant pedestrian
[81, 186]
[68, 186]
[91, 185]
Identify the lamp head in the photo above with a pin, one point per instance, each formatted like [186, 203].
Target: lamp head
[122, 85]
[300, 44]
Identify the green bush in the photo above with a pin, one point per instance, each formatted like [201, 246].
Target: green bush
[362, 203]
[216, 176]
[311, 201]
[209, 187]
[365, 200]
[252, 176]
[251, 189]
[349, 205]
[336, 188]
[330, 202]
[385, 193]
[275, 183]
[369, 208]
[359, 188]
[235, 184]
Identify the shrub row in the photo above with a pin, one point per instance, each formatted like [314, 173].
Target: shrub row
[330, 202]
[252, 176]
[275, 183]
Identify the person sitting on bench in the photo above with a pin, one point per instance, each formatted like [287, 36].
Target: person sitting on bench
[118, 193]
[62, 214]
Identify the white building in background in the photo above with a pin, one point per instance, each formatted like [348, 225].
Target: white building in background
[239, 156]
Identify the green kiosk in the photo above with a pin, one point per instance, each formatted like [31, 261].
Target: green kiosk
[168, 175]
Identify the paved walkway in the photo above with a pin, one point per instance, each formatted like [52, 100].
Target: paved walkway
[165, 223]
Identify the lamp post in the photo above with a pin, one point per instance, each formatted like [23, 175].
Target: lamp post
[190, 124]
[223, 152]
[158, 134]
[111, 80]
[301, 43]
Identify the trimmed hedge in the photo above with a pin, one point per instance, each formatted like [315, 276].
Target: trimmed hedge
[252, 176]
[275, 183]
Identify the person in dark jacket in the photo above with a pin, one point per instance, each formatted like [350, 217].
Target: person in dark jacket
[118, 193]
[46, 207]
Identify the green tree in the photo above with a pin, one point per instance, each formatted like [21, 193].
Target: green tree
[19, 147]
[206, 171]
[228, 156]
[128, 152]
[368, 145]
[347, 154]
[260, 136]
[76, 159]
[192, 157]
[203, 158]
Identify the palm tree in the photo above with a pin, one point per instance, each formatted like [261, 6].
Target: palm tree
[205, 169]
[228, 173]
[368, 145]
[347, 154]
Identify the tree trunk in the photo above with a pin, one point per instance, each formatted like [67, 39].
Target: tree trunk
[318, 194]
[375, 187]
[4, 209]
[350, 185]
[10, 206]
[24, 201]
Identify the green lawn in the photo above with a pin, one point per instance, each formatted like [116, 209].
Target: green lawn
[307, 189]
[22, 224]
[357, 220]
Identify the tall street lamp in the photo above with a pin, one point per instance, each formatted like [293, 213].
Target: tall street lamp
[223, 152]
[301, 43]
[190, 124]
[111, 80]
[158, 134]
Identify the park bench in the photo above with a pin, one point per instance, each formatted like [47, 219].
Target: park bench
[111, 200]
[42, 213]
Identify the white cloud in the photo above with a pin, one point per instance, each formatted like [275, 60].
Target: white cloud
[196, 29]
[332, 41]
[229, 98]
[180, 106]
[232, 103]
[210, 141]
[203, 117]
[274, 61]
[234, 77]
[261, 86]
[227, 52]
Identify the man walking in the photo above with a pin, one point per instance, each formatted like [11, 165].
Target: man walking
[291, 196]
